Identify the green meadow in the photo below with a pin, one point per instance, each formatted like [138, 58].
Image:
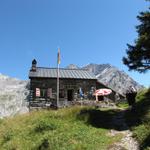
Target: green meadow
[76, 128]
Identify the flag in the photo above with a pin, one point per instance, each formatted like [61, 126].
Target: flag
[58, 56]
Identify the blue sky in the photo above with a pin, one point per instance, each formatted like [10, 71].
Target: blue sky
[87, 31]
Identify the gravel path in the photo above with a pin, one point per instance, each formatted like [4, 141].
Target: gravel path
[127, 142]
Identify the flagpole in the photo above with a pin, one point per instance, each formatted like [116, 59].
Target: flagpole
[58, 62]
[58, 85]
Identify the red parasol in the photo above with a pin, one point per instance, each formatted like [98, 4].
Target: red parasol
[102, 92]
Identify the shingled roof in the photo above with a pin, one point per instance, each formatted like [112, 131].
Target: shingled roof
[63, 73]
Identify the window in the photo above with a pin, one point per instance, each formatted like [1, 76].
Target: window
[43, 93]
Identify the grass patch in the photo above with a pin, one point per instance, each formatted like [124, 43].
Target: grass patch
[44, 125]
[123, 105]
[77, 128]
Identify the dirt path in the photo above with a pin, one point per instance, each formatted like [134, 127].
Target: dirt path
[127, 142]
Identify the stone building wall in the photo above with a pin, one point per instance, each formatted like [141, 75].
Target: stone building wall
[69, 88]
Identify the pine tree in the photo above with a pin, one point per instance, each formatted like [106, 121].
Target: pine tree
[138, 55]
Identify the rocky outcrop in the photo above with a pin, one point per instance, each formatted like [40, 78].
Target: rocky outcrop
[13, 96]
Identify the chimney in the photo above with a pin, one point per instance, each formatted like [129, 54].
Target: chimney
[34, 63]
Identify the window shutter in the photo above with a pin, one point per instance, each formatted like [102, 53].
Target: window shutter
[49, 92]
[38, 93]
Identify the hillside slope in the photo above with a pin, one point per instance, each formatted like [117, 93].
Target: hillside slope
[75, 128]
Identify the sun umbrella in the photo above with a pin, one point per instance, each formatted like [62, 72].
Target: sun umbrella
[102, 92]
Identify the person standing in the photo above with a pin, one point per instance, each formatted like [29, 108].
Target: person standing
[130, 96]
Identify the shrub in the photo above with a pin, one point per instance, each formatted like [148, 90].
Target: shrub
[44, 125]
[44, 145]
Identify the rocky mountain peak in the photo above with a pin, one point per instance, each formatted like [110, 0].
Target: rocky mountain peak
[72, 66]
[96, 68]
[113, 77]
